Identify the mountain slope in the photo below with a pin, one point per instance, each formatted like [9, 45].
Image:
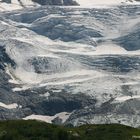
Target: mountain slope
[71, 65]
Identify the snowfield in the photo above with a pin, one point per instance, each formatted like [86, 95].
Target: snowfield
[93, 3]
[9, 106]
[63, 115]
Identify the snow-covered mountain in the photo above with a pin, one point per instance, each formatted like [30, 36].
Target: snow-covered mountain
[71, 65]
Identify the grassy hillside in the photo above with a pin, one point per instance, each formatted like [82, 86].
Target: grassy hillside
[34, 130]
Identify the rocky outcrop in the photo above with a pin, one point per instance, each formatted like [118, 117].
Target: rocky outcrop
[56, 2]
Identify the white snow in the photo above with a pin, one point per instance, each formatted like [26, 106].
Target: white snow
[125, 98]
[15, 5]
[131, 83]
[110, 49]
[9, 7]
[24, 2]
[72, 77]
[12, 80]
[56, 90]
[21, 88]
[93, 3]
[63, 115]
[9, 106]
[46, 95]
[102, 49]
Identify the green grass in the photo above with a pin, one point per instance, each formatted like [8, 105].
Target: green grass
[35, 130]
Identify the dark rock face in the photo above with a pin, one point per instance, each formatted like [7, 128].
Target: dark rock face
[7, 1]
[131, 41]
[56, 2]
[48, 2]
[4, 58]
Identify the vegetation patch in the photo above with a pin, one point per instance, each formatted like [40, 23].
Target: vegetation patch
[35, 130]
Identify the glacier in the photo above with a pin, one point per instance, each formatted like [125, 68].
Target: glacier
[80, 61]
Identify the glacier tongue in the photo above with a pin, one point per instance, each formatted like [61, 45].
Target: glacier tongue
[85, 61]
